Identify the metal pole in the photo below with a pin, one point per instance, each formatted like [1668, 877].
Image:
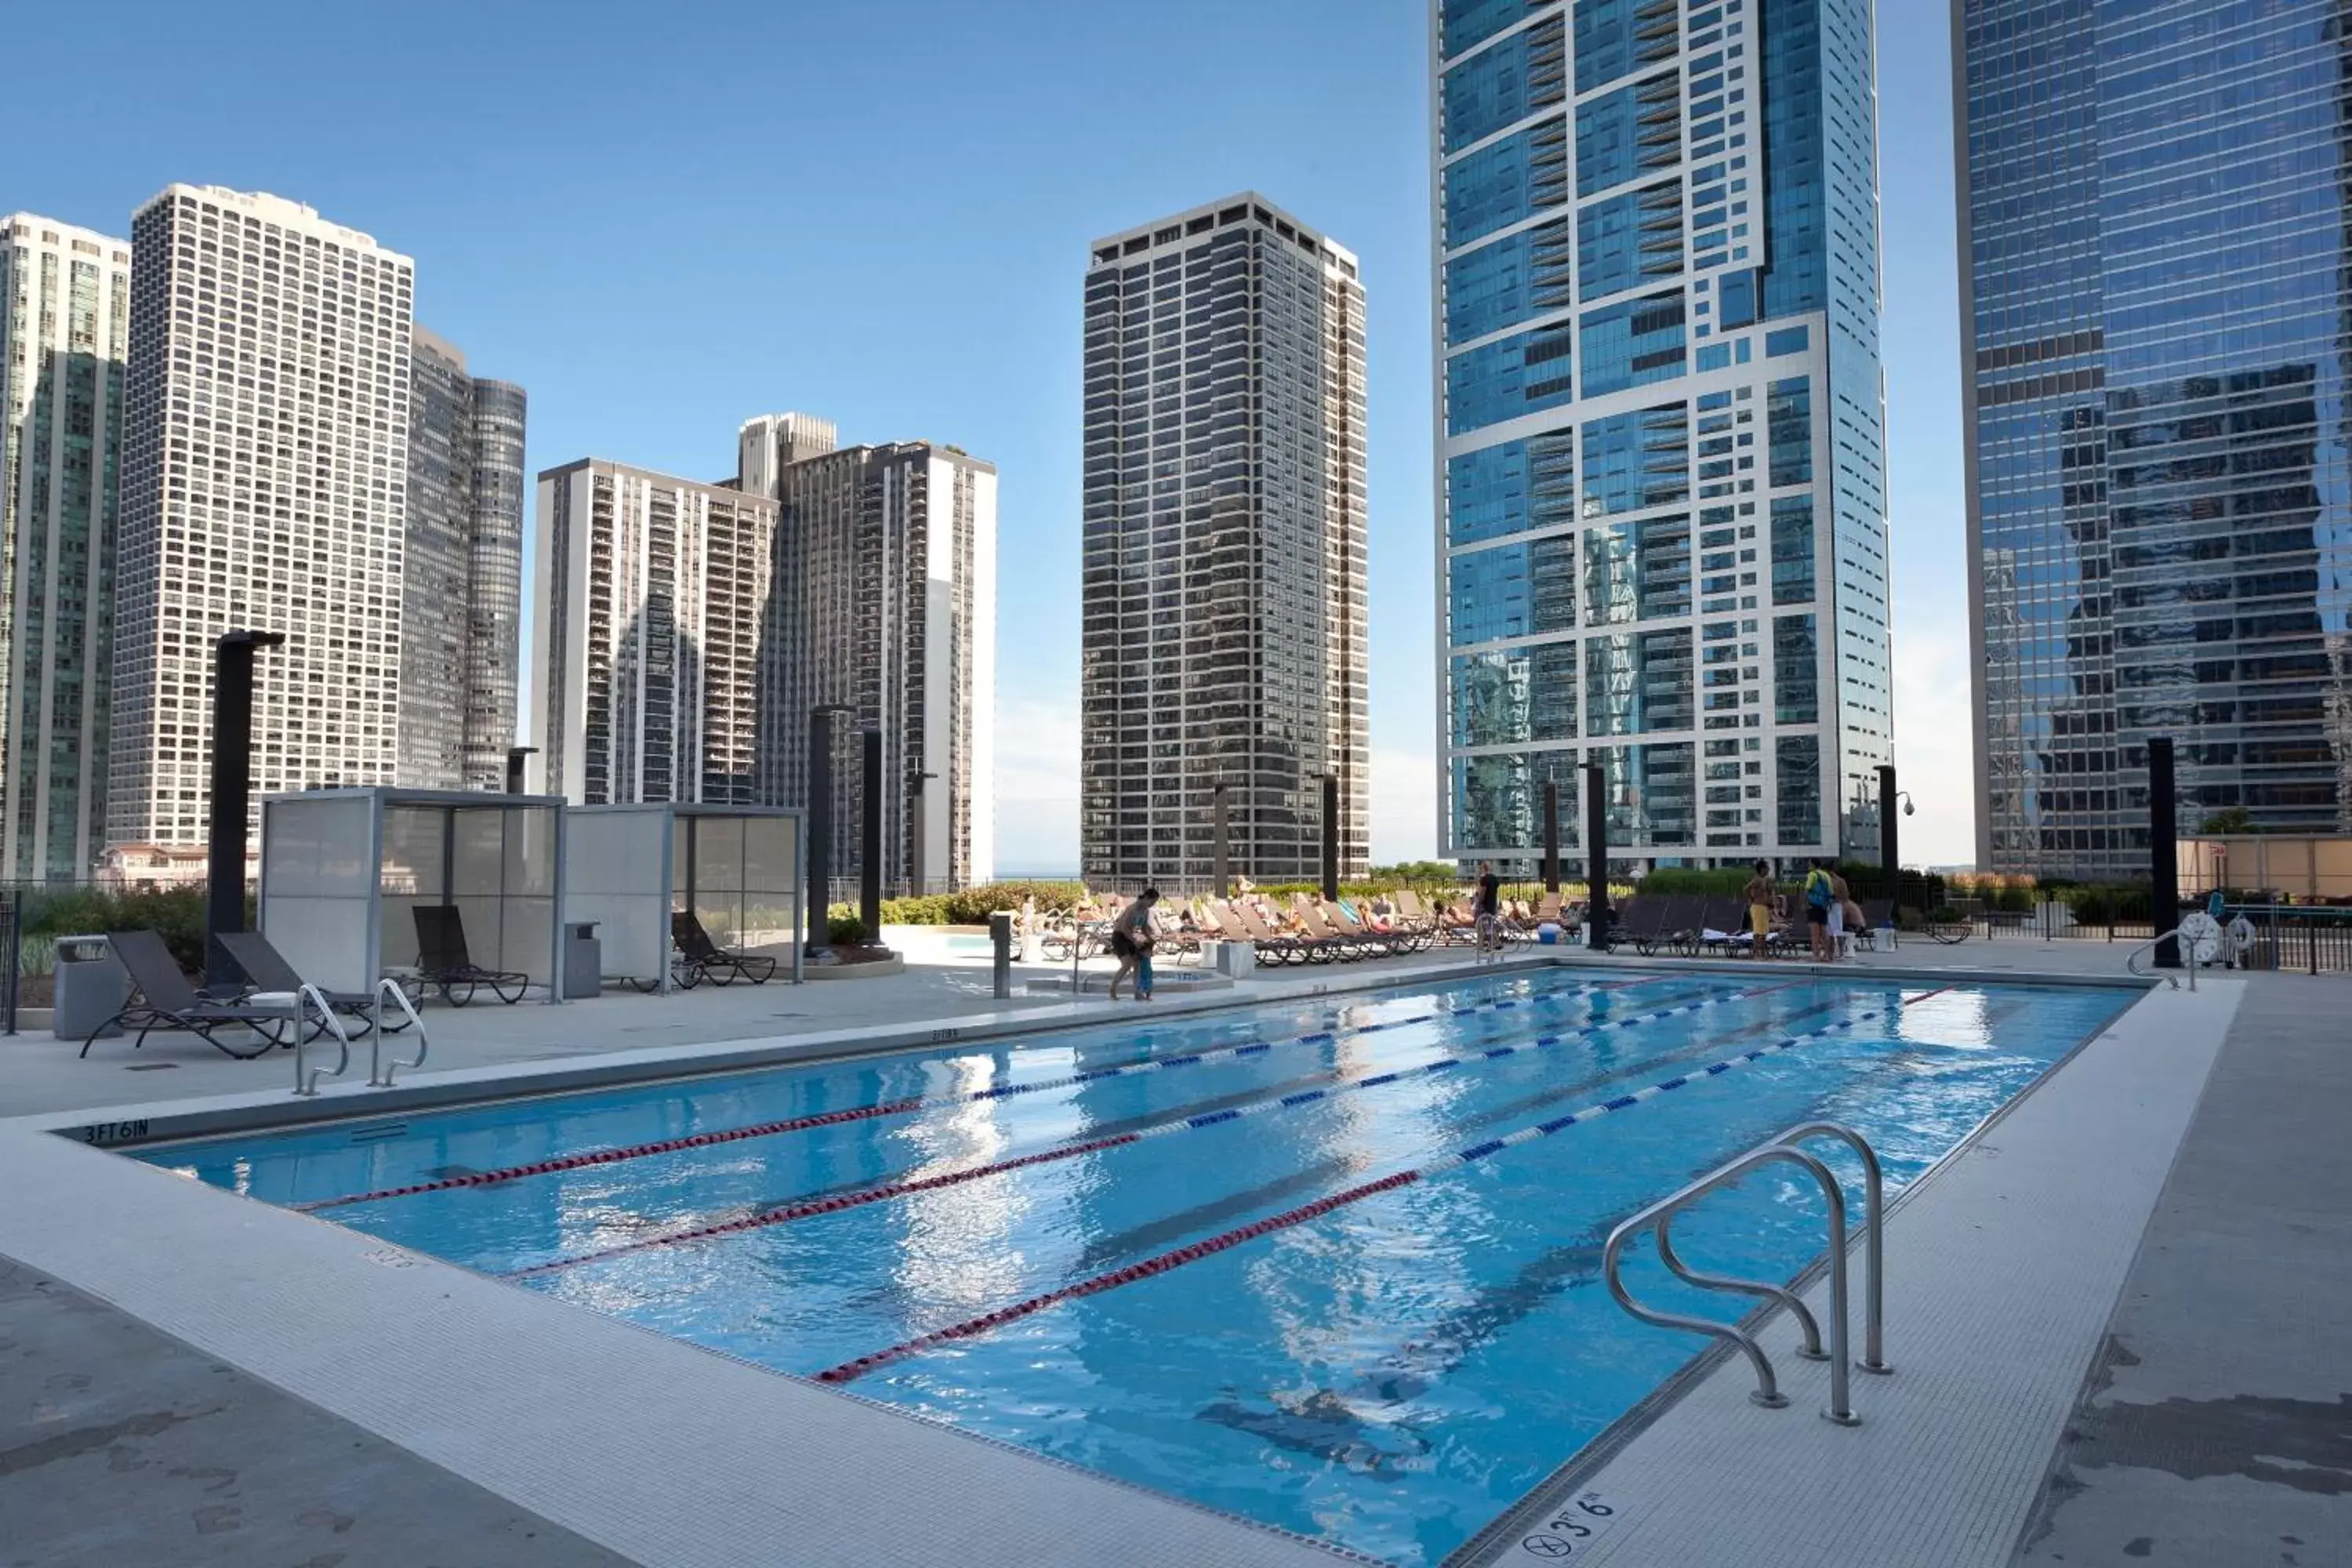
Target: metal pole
[1596, 856]
[2163, 852]
[1889, 862]
[1222, 862]
[1551, 836]
[820, 826]
[1000, 939]
[916, 834]
[869, 903]
[232, 798]
[1331, 837]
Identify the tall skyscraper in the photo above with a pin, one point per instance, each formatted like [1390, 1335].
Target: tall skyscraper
[2157, 311]
[885, 580]
[462, 610]
[1223, 636]
[264, 485]
[1663, 520]
[652, 609]
[65, 322]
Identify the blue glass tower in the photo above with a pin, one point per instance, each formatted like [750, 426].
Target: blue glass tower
[2156, 250]
[1662, 520]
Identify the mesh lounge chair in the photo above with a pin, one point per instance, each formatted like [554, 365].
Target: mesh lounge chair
[700, 959]
[162, 998]
[444, 964]
[268, 969]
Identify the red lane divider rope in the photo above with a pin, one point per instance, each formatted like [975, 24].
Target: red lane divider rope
[900, 1107]
[850, 1370]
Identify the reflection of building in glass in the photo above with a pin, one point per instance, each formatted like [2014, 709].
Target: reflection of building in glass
[1223, 638]
[65, 322]
[1662, 518]
[886, 590]
[2153, 225]
[464, 573]
[652, 599]
[263, 485]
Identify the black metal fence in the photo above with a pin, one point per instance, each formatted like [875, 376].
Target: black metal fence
[2295, 938]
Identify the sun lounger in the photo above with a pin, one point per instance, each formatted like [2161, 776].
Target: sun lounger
[444, 964]
[700, 959]
[163, 998]
[268, 969]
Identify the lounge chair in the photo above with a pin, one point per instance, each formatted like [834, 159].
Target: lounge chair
[700, 959]
[162, 998]
[1295, 949]
[444, 964]
[268, 969]
[1336, 921]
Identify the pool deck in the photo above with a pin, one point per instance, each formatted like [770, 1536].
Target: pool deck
[149, 1326]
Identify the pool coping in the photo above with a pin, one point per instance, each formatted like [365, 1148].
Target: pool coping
[482, 1379]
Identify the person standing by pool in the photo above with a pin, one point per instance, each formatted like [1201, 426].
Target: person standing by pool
[1840, 895]
[1817, 912]
[1758, 894]
[1486, 909]
[1130, 939]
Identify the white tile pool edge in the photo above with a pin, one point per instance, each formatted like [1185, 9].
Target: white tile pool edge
[2003, 1269]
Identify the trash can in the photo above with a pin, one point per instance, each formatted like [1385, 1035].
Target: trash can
[91, 987]
[583, 961]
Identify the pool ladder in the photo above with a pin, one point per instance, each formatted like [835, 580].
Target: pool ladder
[1659, 1218]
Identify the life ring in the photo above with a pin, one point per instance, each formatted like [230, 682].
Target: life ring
[2241, 937]
[2201, 934]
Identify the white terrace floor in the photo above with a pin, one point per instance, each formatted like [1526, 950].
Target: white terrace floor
[2115, 1319]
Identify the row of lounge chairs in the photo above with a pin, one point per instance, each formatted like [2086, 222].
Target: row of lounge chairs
[1694, 924]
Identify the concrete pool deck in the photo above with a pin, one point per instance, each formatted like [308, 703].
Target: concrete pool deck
[467, 1391]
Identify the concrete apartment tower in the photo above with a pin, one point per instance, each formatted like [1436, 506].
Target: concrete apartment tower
[64, 325]
[1662, 519]
[1224, 597]
[264, 485]
[462, 614]
[886, 583]
[2157, 317]
[653, 609]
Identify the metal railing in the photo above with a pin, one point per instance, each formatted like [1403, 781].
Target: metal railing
[380, 1072]
[2147, 950]
[1658, 1218]
[306, 1085]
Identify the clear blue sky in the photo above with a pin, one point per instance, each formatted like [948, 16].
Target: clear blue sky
[662, 219]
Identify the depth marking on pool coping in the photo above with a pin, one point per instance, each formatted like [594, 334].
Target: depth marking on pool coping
[2003, 1268]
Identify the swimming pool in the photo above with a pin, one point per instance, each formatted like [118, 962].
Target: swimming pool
[1331, 1266]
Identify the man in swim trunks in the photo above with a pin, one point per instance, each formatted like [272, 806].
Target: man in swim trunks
[1758, 894]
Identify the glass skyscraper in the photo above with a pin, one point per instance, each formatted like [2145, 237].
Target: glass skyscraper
[2155, 216]
[1661, 514]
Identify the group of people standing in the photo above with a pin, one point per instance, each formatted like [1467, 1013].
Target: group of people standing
[1828, 902]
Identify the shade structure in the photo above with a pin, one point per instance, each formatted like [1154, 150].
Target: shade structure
[343, 869]
[738, 867]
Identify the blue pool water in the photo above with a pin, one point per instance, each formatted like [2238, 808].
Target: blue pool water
[1387, 1374]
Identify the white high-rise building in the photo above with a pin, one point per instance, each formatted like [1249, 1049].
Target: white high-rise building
[1224, 632]
[652, 613]
[264, 485]
[65, 315]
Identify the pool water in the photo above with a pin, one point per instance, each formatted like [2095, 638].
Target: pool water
[1258, 1276]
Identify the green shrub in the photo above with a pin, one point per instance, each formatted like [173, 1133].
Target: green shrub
[1722, 883]
[845, 930]
[177, 915]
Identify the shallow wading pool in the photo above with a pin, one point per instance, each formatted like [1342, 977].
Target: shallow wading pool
[1330, 1266]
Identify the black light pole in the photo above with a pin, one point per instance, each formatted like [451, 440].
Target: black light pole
[1551, 836]
[1888, 865]
[1219, 863]
[820, 825]
[2163, 851]
[869, 903]
[1596, 856]
[232, 798]
[1331, 837]
[918, 836]
[515, 755]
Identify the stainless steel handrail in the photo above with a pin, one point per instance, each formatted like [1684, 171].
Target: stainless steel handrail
[1659, 1218]
[380, 1072]
[1874, 1244]
[2131, 960]
[308, 1086]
